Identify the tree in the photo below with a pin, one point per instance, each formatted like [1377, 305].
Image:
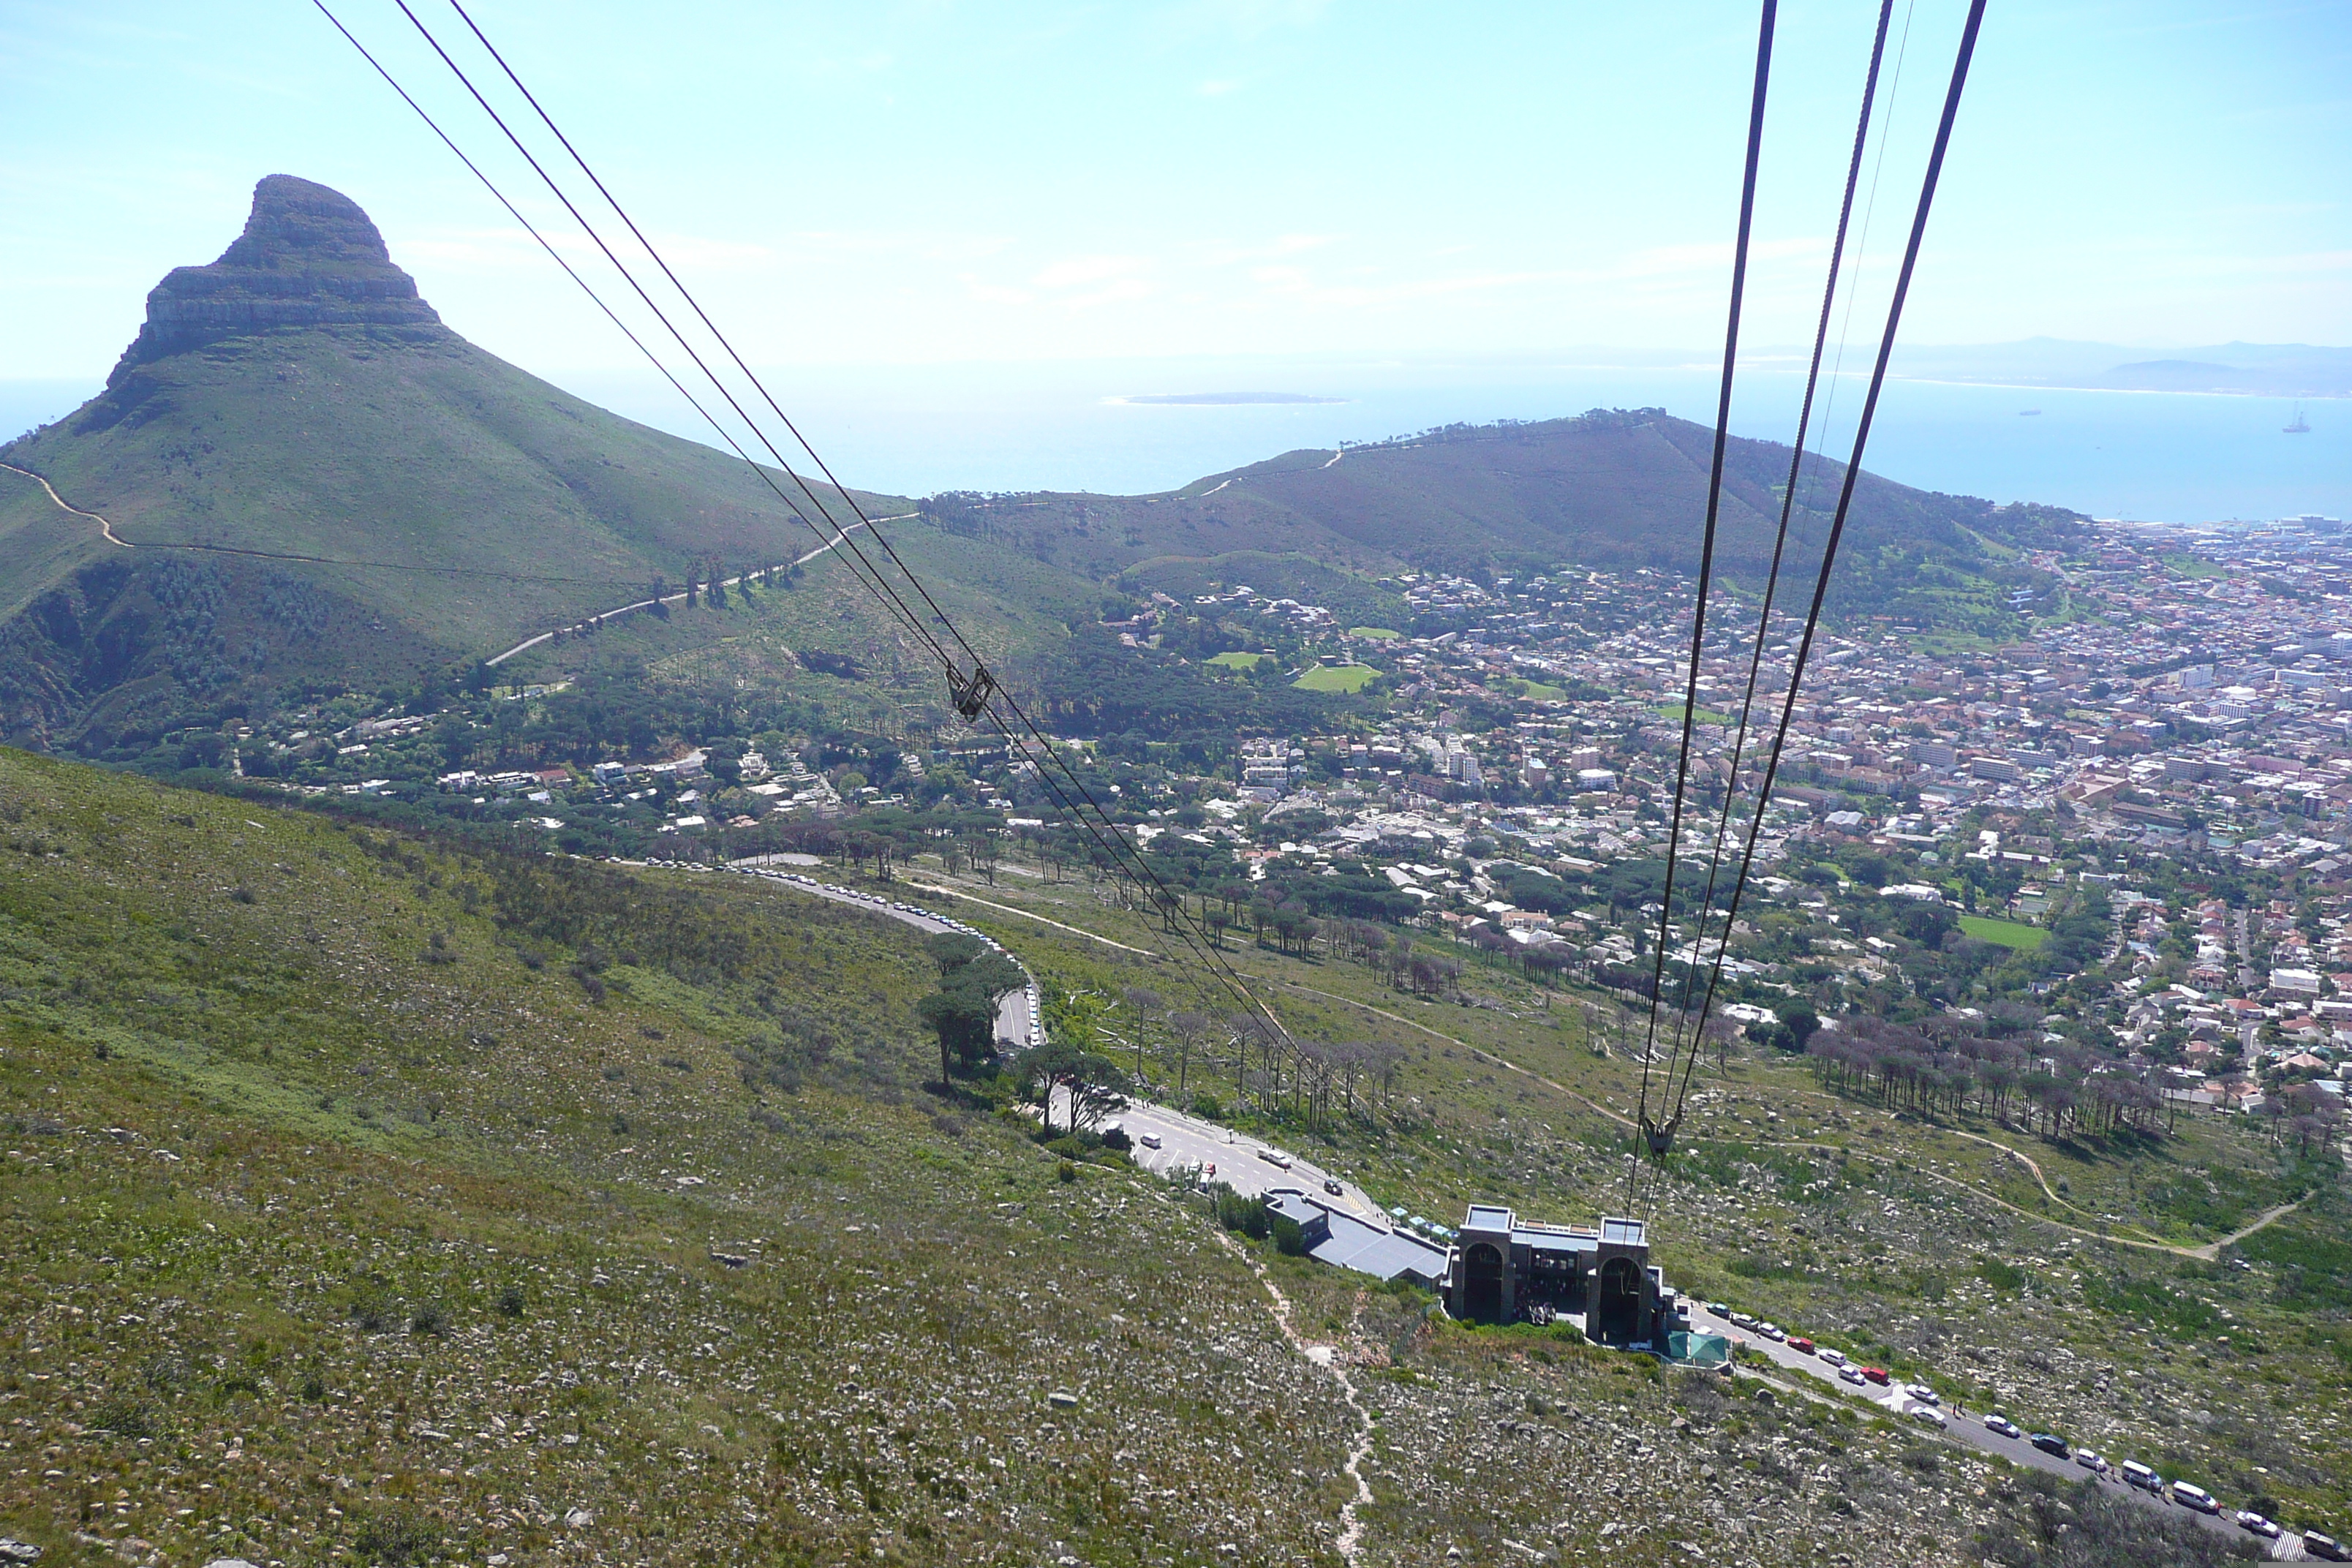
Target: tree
[961, 1014]
[1091, 1085]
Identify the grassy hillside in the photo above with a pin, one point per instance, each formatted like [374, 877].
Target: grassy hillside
[379, 1200]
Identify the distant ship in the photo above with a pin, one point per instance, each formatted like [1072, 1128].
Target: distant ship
[2298, 425]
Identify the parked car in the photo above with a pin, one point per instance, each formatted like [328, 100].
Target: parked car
[1877, 1374]
[1850, 1373]
[1332, 1186]
[2194, 1497]
[1772, 1332]
[2136, 1474]
[1923, 1394]
[1274, 1157]
[1149, 1140]
[1742, 1321]
[2051, 1443]
[1719, 1308]
[2248, 1519]
[1802, 1347]
[2091, 1460]
[2325, 1547]
[1997, 1422]
[1928, 1416]
[1834, 1358]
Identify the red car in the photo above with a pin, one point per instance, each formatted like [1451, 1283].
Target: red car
[1877, 1374]
[1802, 1347]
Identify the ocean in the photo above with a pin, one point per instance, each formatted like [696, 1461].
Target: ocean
[916, 429]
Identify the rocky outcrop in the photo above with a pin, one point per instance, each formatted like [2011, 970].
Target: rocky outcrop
[309, 258]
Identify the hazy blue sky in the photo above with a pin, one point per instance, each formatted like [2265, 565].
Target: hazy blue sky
[920, 182]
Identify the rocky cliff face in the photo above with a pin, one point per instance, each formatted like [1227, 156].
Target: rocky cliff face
[309, 258]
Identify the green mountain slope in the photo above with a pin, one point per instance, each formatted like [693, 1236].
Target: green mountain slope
[1611, 489]
[297, 399]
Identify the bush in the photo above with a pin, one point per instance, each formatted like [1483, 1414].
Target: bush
[511, 1301]
[396, 1538]
[375, 1314]
[1205, 1106]
[1289, 1235]
[430, 1319]
[1067, 1171]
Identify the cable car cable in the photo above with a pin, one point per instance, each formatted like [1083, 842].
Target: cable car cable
[1646, 1130]
[1853, 464]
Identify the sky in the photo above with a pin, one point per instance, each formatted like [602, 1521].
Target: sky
[1235, 182]
[916, 182]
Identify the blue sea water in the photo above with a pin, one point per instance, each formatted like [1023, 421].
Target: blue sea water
[915, 429]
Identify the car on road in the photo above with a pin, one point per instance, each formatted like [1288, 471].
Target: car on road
[1719, 1308]
[1772, 1332]
[1833, 1358]
[2136, 1474]
[1877, 1374]
[2051, 1443]
[1850, 1373]
[1149, 1140]
[1742, 1321]
[1332, 1186]
[1274, 1157]
[1923, 1394]
[1802, 1347]
[2325, 1547]
[1928, 1416]
[2000, 1424]
[2092, 1461]
[2254, 1523]
[2194, 1497]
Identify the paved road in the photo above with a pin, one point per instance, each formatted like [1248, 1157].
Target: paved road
[1017, 1014]
[1189, 1140]
[1969, 1428]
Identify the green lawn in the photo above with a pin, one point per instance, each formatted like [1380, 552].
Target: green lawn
[1378, 634]
[2005, 933]
[1672, 713]
[1238, 660]
[1537, 690]
[1337, 677]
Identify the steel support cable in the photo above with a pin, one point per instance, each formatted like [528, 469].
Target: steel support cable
[1650, 1132]
[906, 612]
[839, 489]
[1779, 546]
[1853, 464]
[841, 539]
[1112, 850]
[557, 256]
[490, 185]
[1120, 850]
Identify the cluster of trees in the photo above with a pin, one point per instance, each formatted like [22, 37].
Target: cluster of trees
[1946, 1065]
[961, 1011]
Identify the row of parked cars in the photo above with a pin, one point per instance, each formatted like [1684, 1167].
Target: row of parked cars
[1929, 1411]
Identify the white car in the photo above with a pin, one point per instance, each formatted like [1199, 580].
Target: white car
[1742, 1321]
[2091, 1460]
[1832, 1357]
[2248, 1519]
[1274, 1157]
[1772, 1332]
[1928, 1416]
[1922, 1393]
[1149, 1140]
[2194, 1497]
[1850, 1373]
[1997, 1422]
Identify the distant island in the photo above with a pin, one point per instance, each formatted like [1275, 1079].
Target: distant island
[1225, 399]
